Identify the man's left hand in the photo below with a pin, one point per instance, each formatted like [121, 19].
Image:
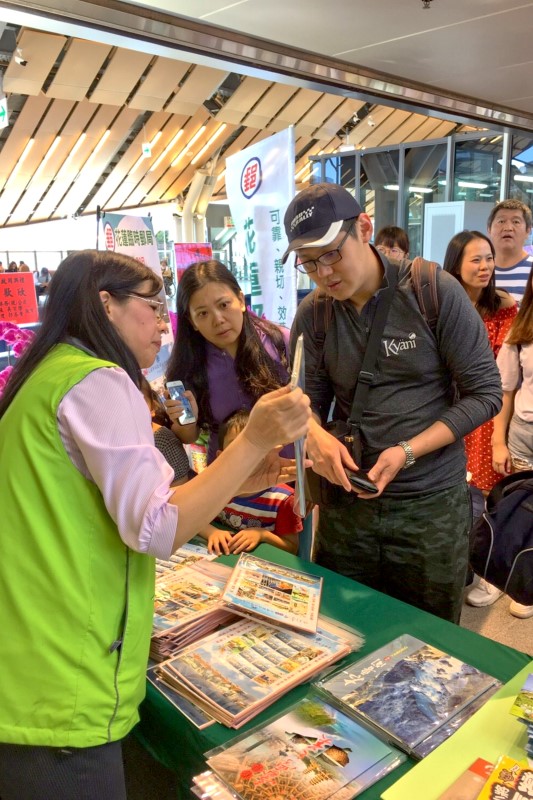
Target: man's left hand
[389, 463]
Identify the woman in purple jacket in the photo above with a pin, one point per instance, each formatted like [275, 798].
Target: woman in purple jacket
[225, 355]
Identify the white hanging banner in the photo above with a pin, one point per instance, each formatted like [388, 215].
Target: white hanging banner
[260, 186]
[134, 236]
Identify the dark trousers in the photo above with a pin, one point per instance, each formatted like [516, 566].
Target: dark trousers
[52, 773]
[414, 549]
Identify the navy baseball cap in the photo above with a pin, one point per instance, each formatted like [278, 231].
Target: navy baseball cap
[315, 216]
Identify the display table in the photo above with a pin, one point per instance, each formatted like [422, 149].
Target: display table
[180, 746]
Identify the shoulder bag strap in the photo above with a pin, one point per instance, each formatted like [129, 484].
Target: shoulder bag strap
[424, 279]
[367, 371]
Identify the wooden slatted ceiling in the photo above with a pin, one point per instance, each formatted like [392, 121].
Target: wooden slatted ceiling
[46, 166]
[162, 80]
[78, 69]
[22, 131]
[269, 104]
[96, 163]
[94, 128]
[122, 173]
[319, 111]
[140, 185]
[200, 83]
[295, 109]
[40, 50]
[120, 77]
[245, 96]
[342, 114]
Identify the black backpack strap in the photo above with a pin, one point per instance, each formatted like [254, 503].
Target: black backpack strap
[322, 313]
[424, 279]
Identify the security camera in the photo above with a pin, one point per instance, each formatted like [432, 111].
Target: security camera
[19, 58]
[371, 122]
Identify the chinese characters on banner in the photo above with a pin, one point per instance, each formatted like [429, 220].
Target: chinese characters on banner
[188, 252]
[18, 301]
[260, 185]
[134, 236]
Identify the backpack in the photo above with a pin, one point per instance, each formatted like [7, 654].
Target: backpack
[501, 540]
[424, 279]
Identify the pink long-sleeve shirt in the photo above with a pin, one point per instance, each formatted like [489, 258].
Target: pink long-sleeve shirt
[105, 426]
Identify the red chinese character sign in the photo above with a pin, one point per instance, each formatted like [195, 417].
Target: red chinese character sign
[188, 253]
[18, 301]
[260, 185]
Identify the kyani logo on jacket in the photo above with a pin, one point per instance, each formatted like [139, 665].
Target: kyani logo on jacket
[395, 346]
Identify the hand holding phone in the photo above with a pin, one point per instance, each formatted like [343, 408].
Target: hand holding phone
[176, 390]
[361, 481]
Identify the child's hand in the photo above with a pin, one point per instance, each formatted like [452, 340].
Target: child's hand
[244, 541]
[219, 542]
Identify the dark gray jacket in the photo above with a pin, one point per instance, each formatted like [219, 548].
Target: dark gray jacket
[422, 376]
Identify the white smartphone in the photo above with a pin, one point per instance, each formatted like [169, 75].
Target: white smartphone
[176, 390]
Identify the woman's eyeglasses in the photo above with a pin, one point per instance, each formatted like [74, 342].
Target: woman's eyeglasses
[390, 252]
[157, 306]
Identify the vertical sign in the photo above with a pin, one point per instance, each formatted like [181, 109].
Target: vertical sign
[260, 185]
[186, 253]
[18, 301]
[134, 236]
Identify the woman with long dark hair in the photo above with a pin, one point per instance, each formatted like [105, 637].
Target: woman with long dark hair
[470, 258]
[86, 504]
[225, 355]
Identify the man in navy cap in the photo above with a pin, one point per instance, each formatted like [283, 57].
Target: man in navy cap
[431, 387]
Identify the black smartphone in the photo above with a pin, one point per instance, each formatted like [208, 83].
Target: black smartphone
[361, 481]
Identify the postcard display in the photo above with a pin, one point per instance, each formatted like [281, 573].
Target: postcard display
[410, 693]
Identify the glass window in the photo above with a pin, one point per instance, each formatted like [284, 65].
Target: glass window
[425, 182]
[478, 168]
[380, 186]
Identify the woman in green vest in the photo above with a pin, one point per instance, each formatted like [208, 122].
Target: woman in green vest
[86, 506]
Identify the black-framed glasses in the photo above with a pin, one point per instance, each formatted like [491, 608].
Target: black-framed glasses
[157, 306]
[326, 259]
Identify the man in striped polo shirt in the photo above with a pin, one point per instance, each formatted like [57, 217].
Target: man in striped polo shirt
[509, 225]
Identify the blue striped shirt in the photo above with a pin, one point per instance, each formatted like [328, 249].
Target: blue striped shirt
[514, 279]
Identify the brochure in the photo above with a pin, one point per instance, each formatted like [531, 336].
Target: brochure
[523, 704]
[194, 714]
[311, 752]
[509, 780]
[298, 379]
[188, 554]
[470, 782]
[408, 691]
[275, 593]
[235, 673]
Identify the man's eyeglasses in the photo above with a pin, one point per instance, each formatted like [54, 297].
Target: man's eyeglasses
[157, 306]
[326, 259]
[390, 252]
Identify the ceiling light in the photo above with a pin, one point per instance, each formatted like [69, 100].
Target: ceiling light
[421, 189]
[98, 147]
[169, 146]
[209, 143]
[524, 178]
[471, 185]
[48, 155]
[392, 187]
[74, 150]
[188, 145]
[22, 158]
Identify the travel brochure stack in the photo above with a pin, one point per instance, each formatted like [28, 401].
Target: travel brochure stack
[236, 672]
[523, 709]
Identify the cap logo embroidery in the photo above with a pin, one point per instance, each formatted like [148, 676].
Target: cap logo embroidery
[301, 217]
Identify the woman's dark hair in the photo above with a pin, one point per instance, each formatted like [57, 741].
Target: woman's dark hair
[489, 300]
[74, 309]
[521, 331]
[257, 372]
[392, 236]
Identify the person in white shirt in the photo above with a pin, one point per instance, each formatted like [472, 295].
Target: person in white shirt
[512, 440]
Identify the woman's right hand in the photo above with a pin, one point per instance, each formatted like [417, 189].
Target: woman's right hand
[278, 418]
[501, 459]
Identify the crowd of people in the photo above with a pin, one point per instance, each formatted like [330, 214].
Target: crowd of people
[103, 456]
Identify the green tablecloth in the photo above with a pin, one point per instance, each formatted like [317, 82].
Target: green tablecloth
[180, 746]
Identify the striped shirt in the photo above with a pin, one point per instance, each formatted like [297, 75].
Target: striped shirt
[514, 279]
[271, 510]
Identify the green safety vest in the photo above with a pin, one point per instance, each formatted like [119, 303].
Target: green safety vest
[76, 603]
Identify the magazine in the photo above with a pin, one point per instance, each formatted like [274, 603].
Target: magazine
[311, 752]
[523, 704]
[188, 554]
[194, 714]
[407, 691]
[509, 780]
[470, 782]
[235, 673]
[275, 593]
[187, 605]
